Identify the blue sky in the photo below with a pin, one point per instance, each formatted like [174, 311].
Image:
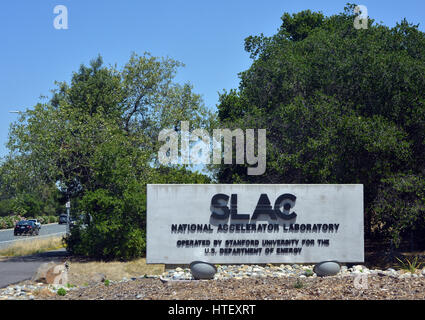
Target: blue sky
[207, 36]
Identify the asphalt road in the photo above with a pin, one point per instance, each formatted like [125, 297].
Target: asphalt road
[7, 238]
[18, 269]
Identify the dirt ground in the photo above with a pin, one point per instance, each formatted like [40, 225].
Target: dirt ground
[81, 272]
[329, 288]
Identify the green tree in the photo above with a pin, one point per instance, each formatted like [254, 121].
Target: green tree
[97, 140]
[59, 138]
[340, 105]
[23, 193]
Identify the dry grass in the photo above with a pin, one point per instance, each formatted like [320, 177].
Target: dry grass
[43, 293]
[33, 246]
[80, 273]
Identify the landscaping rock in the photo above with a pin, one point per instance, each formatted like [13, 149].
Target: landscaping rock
[56, 275]
[202, 270]
[327, 268]
[390, 281]
[40, 274]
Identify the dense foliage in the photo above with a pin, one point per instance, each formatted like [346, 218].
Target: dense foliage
[96, 140]
[340, 105]
[399, 210]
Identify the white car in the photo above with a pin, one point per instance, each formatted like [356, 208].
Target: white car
[38, 224]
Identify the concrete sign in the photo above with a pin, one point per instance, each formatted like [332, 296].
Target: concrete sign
[221, 223]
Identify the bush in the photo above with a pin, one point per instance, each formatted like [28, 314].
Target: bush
[117, 227]
[400, 208]
[53, 219]
[61, 292]
[10, 221]
[41, 219]
[309, 273]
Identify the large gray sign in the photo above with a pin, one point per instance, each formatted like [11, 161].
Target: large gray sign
[254, 223]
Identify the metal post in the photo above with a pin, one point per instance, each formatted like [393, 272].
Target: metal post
[68, 209]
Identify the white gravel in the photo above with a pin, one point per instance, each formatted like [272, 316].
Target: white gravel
[29, 291]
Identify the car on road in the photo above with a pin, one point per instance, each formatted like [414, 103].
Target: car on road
[26, 227]
[63, 218]
[81, 220]
[36, 222]
[72, 222]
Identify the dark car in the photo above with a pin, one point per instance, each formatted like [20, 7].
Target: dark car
[82, 221]
[63, 218]
[27, 228]
[72, 222]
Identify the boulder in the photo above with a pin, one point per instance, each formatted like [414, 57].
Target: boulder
[327, 268]
[51, 273]
[40, 274]
[202, 270]
[57, 275]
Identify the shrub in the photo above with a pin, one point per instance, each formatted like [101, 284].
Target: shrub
[400, 207]
[61, 292]
[117, 227]
[410, 265]
[308, 273]
[9, 221]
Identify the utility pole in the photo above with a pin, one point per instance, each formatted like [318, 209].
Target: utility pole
[68, 209]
